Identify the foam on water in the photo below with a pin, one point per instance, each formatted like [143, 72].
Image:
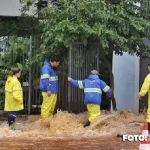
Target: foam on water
[66, 125]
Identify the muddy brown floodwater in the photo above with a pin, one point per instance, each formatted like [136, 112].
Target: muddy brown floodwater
[65, 132]
[104, 143]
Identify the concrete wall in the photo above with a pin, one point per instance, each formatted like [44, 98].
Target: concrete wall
[12, 8]
[126, 81]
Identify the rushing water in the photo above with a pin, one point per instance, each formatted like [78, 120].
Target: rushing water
[66, 125]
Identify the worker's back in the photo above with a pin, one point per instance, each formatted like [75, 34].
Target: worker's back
[92, 90]
[93, 87]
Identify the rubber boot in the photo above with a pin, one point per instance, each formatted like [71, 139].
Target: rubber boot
[11, 122]
[86, 124]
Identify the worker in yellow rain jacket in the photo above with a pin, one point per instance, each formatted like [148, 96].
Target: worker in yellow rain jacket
[93, 87]
[146, 89]
[13, 96]
[49, 86]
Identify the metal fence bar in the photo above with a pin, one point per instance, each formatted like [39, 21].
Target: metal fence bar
[81, 59]
[69, 72]
[30, 76]
[98, 57]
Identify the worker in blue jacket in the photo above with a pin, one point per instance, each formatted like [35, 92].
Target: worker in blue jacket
[93, 87]
[49, 86]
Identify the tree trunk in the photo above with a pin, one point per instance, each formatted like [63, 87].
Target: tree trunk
[111, 76]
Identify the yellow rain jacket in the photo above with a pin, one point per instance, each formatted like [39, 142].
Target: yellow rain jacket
[146, 88]
[13, 94]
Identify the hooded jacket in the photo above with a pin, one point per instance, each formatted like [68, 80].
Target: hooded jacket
[93, 87]
[13, 94]
[49, 79]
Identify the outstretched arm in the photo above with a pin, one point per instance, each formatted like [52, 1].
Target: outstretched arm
[76, 83]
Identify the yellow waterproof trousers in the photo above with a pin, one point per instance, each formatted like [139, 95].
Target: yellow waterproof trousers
[148, 110]
[48, 104]
[93, 111]
[148, 115]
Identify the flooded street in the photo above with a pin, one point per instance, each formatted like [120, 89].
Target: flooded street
[65, 131]
[103, 143]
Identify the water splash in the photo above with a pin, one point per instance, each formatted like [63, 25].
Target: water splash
[66, 125]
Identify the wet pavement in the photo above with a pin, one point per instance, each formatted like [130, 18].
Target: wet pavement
[102, 143]
[65, 132]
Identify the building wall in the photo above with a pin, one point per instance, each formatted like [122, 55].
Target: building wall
[126, 81]
[12, 8]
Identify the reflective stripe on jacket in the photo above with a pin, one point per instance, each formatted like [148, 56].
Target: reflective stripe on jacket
[93, 87]
[49, 79]
[13, 94]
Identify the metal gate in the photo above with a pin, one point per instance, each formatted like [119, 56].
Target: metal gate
[13, 55]
[79, 62]
[82, 59]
